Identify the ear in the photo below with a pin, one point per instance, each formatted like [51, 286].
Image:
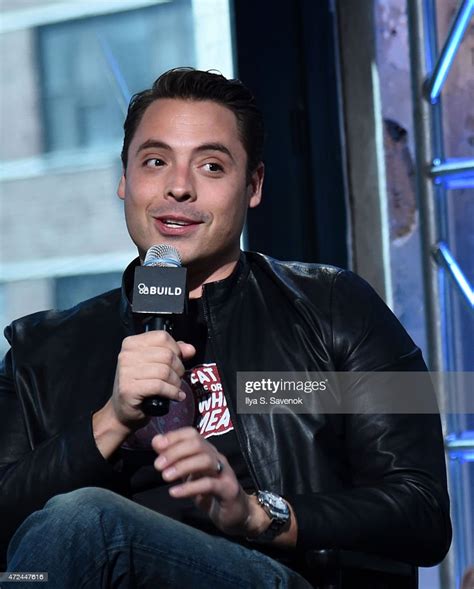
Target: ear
[254, 189]
[121, 186]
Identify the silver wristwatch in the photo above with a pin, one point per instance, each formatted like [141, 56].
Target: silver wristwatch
[277, 510]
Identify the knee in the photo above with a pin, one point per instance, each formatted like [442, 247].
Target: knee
[81, 509]
[65, 519]
[84, 501]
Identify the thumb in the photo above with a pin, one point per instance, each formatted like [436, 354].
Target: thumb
[187, 350]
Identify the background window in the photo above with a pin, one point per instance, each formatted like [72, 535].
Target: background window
[71, 290]
[90, 66]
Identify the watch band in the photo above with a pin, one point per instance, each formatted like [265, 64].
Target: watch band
[279, 513]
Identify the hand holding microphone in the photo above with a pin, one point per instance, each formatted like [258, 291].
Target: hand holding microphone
[150, 365]
[160, 292]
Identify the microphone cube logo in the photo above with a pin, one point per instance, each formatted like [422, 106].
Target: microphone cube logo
[159, 290]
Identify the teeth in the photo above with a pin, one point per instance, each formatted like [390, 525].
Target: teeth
[175, 223]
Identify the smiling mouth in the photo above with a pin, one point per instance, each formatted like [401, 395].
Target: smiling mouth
[177, 226]
[177, 222]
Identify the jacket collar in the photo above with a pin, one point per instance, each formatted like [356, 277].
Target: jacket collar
[219, 292]
[126, 314]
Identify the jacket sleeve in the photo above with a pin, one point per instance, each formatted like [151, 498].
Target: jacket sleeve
[31, 474]
[397, 502]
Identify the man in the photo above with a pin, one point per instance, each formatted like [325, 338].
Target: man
[247, 495]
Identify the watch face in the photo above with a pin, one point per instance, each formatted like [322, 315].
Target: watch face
[275, 503]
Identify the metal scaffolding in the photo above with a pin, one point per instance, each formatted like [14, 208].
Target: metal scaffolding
[435, 176]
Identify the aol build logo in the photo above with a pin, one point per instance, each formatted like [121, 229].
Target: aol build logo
[143, 289]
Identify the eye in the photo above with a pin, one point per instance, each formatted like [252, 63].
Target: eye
[213, 167]
[154, 162]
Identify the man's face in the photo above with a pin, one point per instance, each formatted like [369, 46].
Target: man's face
[185, 183]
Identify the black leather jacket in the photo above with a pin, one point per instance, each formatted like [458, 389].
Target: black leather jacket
[366, 482]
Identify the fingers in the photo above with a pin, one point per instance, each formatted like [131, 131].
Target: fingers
[140, 389]
[183, 443]
[149, 364]
[149, 372]
[187, 350]
[206, 486]
[203, 475]
[160, 364]
[159, 338]
[161, 442]
[184, 453]
[202, 465]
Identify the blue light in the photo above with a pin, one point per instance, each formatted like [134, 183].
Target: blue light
[461, 447]
[455, 271]
[462, 456]
[455, 173]
[458, 182]
[448, 52]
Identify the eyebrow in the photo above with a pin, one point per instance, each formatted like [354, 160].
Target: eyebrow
[156, 144]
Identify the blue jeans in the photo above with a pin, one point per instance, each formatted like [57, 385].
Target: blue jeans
[94, 538]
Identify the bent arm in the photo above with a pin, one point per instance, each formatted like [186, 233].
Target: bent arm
[398, 505]
[30, 474]
[396, 501]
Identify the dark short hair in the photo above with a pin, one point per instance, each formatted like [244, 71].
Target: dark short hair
[191, 84]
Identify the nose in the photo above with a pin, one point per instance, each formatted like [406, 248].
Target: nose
[180, 185]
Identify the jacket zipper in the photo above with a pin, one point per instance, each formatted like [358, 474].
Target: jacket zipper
[207, 317]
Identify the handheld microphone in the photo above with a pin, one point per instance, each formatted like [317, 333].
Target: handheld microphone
[159, 290]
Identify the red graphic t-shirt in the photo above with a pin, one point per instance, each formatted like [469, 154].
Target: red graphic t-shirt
[213, 417]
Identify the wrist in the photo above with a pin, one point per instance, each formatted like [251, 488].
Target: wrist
[257, 521]
[108, 431]
[279, 513]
